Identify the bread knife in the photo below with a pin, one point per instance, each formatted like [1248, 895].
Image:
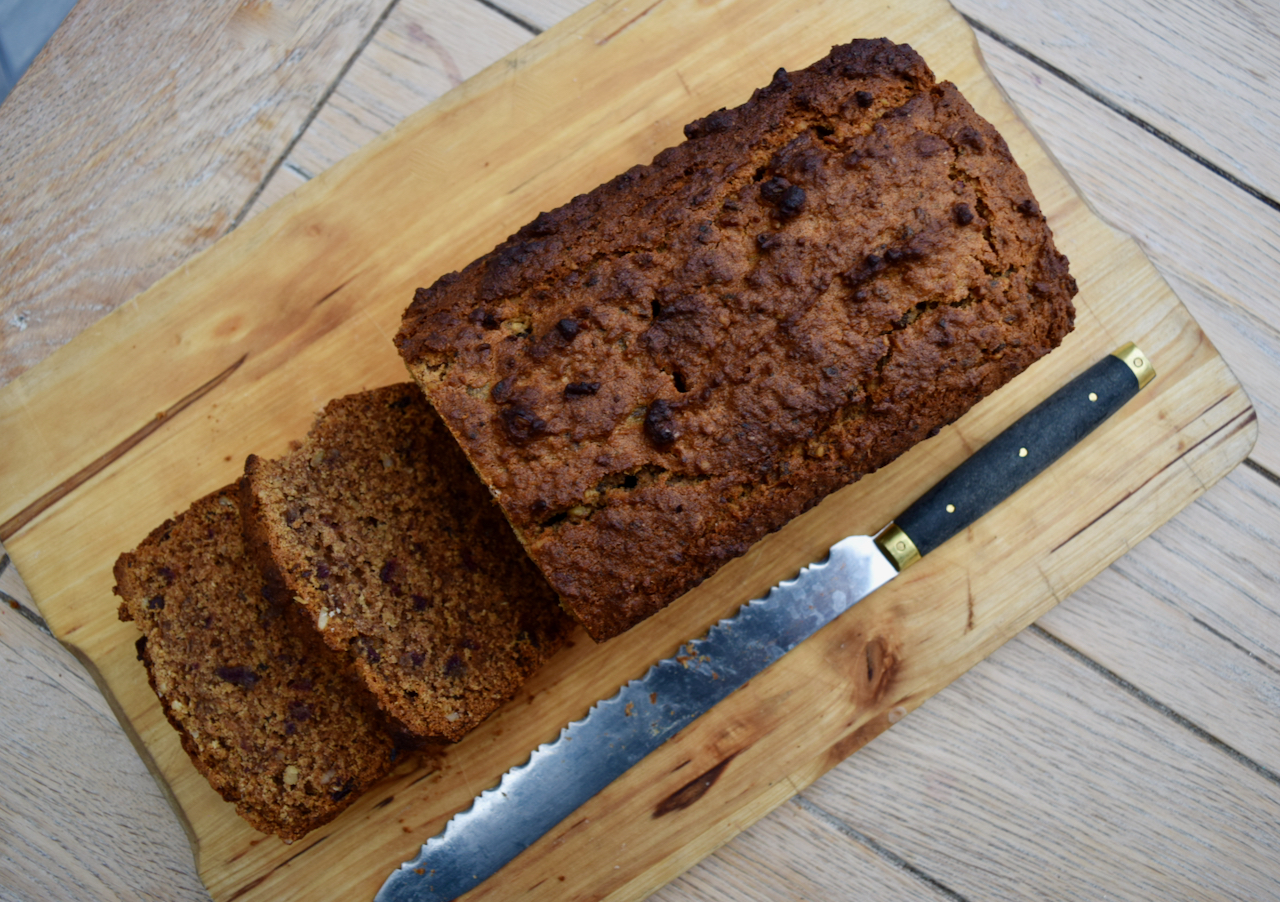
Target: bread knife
[618, 732]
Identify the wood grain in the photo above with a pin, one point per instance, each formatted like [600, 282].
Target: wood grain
[1064, 799]
[1139, 620]
[417, 55]
[1190, 617]
[310, 291]
[545, 13]
[797, 854]
[1122, 53]
[64, 830]
[1220, 244]
[420, 52]
[239, 77]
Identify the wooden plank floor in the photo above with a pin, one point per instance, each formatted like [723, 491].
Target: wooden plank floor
[1125, 747]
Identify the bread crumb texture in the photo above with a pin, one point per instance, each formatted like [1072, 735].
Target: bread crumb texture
[378, 527]
[662, 371]
[278, 729]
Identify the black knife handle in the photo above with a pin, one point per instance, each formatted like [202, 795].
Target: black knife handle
[1017, 455]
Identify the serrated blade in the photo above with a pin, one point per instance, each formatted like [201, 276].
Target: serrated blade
[618, 732]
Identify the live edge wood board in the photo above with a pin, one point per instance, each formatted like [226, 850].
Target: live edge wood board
[233, 353]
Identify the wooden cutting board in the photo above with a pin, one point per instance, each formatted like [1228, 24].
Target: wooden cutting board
[234, 352]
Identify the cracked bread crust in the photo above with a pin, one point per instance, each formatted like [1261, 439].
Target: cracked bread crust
[662, 371]
[402, 563]
[282, 732]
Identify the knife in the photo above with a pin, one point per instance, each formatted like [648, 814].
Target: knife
[618, 732]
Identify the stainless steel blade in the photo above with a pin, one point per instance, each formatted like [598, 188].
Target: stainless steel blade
[618, 732]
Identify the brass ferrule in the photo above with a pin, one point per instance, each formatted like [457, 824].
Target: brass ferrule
[1139, 362]
[897, 545]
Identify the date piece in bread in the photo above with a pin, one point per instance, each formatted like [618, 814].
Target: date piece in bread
[288, 736]
[402, 561]
[657, 374]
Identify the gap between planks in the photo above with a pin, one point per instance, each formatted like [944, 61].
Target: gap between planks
[1120, 110]
[879, 849]
[1156, 705]
[1262, 471]
[283, 161]
[311, 115]
[1151, 129]
[14, 593]
[507, 14]
[893, 858]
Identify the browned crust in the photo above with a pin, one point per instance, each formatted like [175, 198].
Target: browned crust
[257, 541]
[662, 371]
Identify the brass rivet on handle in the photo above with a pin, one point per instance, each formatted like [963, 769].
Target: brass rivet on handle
[1137, 361]
[897, 546]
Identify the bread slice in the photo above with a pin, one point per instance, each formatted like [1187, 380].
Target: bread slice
[657, 374]
[378, 527]
[277, 729]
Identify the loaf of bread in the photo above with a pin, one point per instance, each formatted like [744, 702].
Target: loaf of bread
[276, 728]
[403, 563]
[657, 374]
